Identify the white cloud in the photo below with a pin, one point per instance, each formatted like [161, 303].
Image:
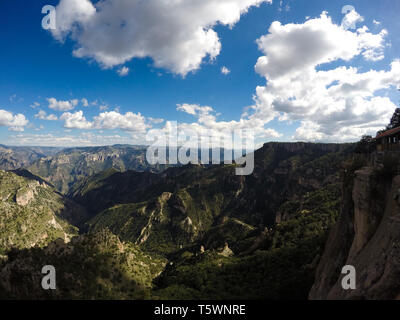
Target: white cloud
[75, 120]
[42, 115]
[105, 121]
[374, 44]
[351, 19]
[70, 14]
[14, 122]
[283, 7]
[225, 70]
[62, 105]
[124, 71]
[208, 125]
[35, 105]
[294, 48]
[114, 120]
[376, 22]
[155, 120]
[194, 109]
[337, 104]
[85, 102]
[177, 35]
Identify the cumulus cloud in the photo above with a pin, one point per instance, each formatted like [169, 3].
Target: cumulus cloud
[14, 122]
[105, 121]
[114, 120]
[62, 105]
[208, 125]
[351, 19]
[75, 120]
[194, 109]
[294, 48]
[331, 104]
[177, 35]
[42, 115]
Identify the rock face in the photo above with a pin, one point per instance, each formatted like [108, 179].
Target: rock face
[191, 203]
[33, 213]
[12, 158]
[367, 236]
[178, 214]
[226, 252]
[24, 196]
[69, 166]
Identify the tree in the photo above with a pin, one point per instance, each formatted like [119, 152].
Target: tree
[365, 145]
[395, 121]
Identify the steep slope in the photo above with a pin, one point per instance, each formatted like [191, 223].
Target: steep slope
[70, 165]
[166, 221]
[223, 236]
[97, 266]
[103, 190]
[192, 203]
[366, 237]
[12, 158]
[100, 266]
[279, 263]
[32, 213]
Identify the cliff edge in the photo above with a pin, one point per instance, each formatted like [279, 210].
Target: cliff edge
[366, 236]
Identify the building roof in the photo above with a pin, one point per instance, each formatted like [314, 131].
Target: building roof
[388, 133]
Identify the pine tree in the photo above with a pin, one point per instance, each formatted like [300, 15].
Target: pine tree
[365, 145]
[395, 121]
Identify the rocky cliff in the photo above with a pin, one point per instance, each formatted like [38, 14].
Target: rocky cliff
[211, 204]
[69, 166]
[367, 236]
[12, 158]
[32, 213]
[224, 236]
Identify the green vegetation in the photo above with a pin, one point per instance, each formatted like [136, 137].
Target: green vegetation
[191, 232]
[97, 266]
[69, 166]
[283, 269]
[31, 213]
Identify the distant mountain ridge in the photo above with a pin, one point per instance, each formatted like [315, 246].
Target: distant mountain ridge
[12, 158]
[186, 202]
[70, 165]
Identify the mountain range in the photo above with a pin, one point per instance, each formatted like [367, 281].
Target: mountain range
[193, 231]
[12, 158]
[202, 224]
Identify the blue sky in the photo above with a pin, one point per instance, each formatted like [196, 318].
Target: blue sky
[35, 66]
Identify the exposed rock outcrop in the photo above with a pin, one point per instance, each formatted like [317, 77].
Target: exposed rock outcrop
[226, 252]
[24, 196]
[367, 236]
[32, 213]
